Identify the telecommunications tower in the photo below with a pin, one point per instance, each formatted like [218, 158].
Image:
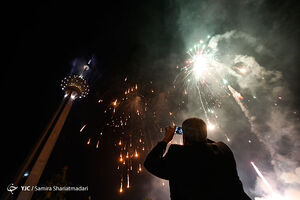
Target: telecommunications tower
[74, 86]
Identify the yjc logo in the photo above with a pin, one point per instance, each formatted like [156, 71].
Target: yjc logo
[11, 188]
[25, 188]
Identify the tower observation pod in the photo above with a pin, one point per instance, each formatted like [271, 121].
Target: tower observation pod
[74, 86]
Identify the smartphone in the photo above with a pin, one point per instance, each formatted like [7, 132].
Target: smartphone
[178, 130]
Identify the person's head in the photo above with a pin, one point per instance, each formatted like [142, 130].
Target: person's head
[194, 131]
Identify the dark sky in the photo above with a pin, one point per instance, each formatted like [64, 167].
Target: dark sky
[128, 39]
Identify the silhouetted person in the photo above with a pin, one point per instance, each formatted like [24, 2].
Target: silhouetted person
[199, 169]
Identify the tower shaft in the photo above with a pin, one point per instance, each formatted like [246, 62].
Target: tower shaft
[34, 150]
[43, 157]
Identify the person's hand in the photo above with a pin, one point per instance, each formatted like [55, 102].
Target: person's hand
[170, 130]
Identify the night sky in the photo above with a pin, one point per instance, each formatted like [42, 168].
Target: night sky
[143, 41]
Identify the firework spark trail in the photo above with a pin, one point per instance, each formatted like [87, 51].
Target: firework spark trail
[262, 177]
[121, 186]
[82, 128]
[200, 97]
[128, 181]
[274, 195]
[237, 96]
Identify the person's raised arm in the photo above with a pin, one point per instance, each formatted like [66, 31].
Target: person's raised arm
[155, 163]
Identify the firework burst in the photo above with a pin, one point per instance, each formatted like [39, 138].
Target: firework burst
[204, 78]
